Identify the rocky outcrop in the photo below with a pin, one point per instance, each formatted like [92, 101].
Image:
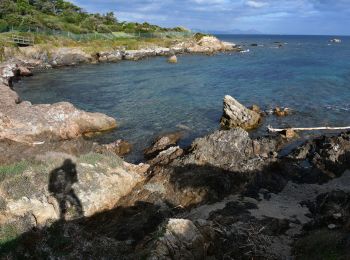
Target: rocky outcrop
[232, 150]
[119, 147]
[68, 57]
[101, 181]
[237, 115]
[162, 143]
[144, 53]
[27, 123]
[167, 156]
[198, 205]
[112, 56]
[207, 44]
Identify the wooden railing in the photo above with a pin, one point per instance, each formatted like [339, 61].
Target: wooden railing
[21, 40]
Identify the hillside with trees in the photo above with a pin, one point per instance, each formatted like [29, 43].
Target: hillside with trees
[31, 15]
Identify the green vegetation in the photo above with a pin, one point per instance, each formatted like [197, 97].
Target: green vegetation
[199, 36]
[51, 15]
[8, 232]
[12, 169]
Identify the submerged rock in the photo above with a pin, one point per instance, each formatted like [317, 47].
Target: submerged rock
[237, 115]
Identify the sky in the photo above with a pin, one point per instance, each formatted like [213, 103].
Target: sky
[313, 17]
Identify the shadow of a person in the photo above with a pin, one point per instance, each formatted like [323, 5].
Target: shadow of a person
[60, 186]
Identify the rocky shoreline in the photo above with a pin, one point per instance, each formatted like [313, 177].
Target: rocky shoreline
[228, 196]
[38, 57]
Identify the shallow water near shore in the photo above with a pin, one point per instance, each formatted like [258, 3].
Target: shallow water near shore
[151, 97]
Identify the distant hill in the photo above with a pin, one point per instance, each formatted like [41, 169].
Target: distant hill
[62, 15]
[233, 31]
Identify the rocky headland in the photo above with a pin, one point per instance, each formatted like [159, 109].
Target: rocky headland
[228, 196]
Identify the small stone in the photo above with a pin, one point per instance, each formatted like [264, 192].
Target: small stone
[264, 155]
[332, 226]
[255, 108]
[289, 133]
[337, 215]
[172, 59]
[281, 111]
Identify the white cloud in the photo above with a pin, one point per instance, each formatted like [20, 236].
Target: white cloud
[256, 4]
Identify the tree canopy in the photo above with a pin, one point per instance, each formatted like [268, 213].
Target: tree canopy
[65, 16]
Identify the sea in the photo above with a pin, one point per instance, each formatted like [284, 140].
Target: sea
[308, 74]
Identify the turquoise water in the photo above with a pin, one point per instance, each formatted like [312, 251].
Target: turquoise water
[151, 97]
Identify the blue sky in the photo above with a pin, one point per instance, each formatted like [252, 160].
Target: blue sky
[329, 17]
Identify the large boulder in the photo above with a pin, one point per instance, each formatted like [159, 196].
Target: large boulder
[69, 56]
[25, 122]
[110, 56]
[237, 115]
[231, 150]
[35, 189]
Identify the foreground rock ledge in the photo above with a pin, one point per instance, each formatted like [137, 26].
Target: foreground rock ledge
[24, 122]
[237, 115]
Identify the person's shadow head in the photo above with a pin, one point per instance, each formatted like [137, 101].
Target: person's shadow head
[61, 187]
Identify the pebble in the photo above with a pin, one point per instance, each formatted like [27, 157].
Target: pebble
[332, 226]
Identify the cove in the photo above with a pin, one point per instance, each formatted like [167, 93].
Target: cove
[151, 97]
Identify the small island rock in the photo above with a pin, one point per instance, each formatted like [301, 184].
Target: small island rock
[237, 115]
[172, 59]
[281, 111]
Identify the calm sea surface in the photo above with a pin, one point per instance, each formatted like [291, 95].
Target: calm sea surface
[150, 97]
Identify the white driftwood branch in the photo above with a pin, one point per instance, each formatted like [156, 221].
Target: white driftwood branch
[270, 129]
